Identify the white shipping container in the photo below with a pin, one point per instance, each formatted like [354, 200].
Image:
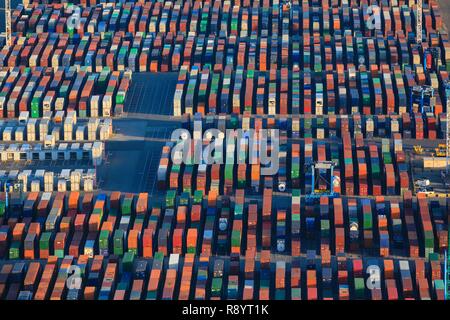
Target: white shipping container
[104, 134]
[55, 60]
[80, 133]
[62, 185]
[68, 129]
[33, 60]
[56, 132]
[320, 133]
[23, 117]
[272, 104]
[48, 187]
[97, 152]
[7, 134]
[43, 129]
[47, 104]
[94, 105]
[2, 103]
[177, 103]
[19, 134]
[88, 185]
[48, 177]
[49, 141]
[107, 102]
[23, 177]
[59, 104]
[31, 130]
[35, 186]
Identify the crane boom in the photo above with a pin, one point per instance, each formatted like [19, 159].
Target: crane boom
[447, 131]
[419, 22]
[447, 157]
[8, 28]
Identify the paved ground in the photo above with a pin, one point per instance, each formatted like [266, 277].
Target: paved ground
[134, 152]
[133, 155]
[151, 93]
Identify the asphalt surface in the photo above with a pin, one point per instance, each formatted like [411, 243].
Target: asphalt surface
[151, 93]
[133, 155]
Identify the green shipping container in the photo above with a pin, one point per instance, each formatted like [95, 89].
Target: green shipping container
[325, 228]
[234, 122]
[387, 158]
[216, 286]
[170, 198]
[120, 97]
[126, 206]
[198, 196]
[122, 286]
[367, 221]
[59, 253]
[35, 107]
[238, 210]
[2, 208]
[151, 295]
[14, 250]
[295, 171]
[44, 242]
[296, 293]
[359, 288]
[229, 171]
[104, 240]
[127, 261]
[203, 26]
[190, 249]
[235, 238]
[118, 242]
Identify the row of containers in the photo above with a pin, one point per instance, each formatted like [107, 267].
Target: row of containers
[37, 225]
[252, 238]
[215, 278]
[281, 92]
[45, 36]
[149, 51]
[361, 168]
[224, 18]
[49, 152]
[61, 128]
[416, 126]
[39, 90]
[48, 181]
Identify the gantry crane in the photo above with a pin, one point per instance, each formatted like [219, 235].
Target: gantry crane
[447, 163]
[423, 97]
[8, 28]
[447, 131]
[330, 179]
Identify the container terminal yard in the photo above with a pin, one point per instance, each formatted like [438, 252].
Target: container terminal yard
[347, 99]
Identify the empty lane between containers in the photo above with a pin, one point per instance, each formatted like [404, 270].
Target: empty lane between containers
[151, 94]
